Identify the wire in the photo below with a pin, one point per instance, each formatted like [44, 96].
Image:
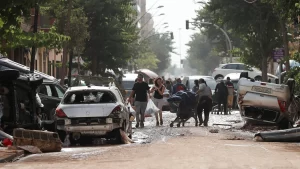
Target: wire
[145, 12]
[250, 2]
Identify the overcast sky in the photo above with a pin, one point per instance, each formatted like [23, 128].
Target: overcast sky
[176, 12]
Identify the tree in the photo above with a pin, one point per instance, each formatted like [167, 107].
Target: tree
[161, 46]
[147, 61]
[256, 24]
[112, 34]
[12, 13]
[201, 55]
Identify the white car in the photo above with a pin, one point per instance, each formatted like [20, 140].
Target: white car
[224, 69]
[93, 111]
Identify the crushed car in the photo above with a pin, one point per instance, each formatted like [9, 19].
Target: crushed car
[93, 112]
[267, 103]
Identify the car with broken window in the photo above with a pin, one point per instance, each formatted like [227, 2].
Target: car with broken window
[93, 111]
[262, 102]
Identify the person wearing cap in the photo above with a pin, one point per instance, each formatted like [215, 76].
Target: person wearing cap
[230, 88]
[140, 90]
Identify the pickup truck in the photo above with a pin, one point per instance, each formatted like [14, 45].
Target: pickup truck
[262, 102]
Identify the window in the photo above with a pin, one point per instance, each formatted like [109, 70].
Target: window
[89, 97]
[48, 89]
[60, 92]
[230, 66]
[128, 85]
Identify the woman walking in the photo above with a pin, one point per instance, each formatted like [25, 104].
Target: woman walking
[205, 102]
[158, 90]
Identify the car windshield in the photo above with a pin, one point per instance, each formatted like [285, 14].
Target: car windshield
[210, 83]
[88, 97]
[128, 85]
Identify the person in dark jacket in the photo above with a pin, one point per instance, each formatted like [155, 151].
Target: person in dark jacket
[196, 87]
[205, 102]
[221, 95]
[169, 86]
[178, 86]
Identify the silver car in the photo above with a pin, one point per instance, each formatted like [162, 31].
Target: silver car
[93, 111]
[264, 102]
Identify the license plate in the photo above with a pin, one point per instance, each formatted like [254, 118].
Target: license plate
[262, 89]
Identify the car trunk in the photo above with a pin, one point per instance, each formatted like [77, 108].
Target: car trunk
[89, 110]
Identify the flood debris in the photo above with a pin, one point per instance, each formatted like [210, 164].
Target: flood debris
[44, 140]
[30, 149]
[288, 135]
[125, 138]
[214, 131]
[235, 138]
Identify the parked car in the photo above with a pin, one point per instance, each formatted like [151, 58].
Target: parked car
[224, 69]
[188, 81]
[93, 111]
[50, 91]
[293, 64]
[265, 102]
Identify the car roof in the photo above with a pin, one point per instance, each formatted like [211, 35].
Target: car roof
[22, 68]
[233, 76]
[82, 88]
[130, 77]
[197, 77]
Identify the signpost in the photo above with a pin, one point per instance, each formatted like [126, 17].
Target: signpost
[278, 54]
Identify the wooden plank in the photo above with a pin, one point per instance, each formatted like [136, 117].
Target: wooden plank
[9, 155]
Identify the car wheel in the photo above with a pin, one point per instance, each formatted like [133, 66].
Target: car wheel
[257, 78]
[115, 136]
[62, 135]
[219, 77]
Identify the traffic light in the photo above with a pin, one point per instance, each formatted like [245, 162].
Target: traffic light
[187, 24]
[171, 34]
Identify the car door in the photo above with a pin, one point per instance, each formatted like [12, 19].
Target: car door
[50, 99]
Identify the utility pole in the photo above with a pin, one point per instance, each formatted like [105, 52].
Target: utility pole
[66, 45]
[35, 29]
[180, 47]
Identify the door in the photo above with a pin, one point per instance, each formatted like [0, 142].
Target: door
[50, 99]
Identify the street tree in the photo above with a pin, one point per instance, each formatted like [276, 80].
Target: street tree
[112, 34]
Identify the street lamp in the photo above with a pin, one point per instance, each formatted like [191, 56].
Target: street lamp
[223, 31]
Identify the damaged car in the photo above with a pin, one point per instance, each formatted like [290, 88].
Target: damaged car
[93, 111]
[267, 103]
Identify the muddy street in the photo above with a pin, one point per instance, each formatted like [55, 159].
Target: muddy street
[184, 147]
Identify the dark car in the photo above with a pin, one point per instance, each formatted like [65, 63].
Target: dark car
[50, 91]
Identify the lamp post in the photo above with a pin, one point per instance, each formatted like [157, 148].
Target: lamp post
[222, 30]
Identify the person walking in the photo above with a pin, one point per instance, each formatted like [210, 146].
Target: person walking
[205, 102]
[221, 95]
[178, 86]
[158, 96]
[196, 87]
[140, 90]
[230, 89]
[169, 86]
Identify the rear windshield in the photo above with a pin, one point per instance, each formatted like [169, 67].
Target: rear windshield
[89, 97]
[128, 85]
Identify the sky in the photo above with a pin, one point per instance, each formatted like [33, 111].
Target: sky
[176, 13]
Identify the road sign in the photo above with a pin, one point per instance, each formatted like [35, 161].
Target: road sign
[278, 54]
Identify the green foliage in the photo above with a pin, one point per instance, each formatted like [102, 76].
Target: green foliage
[111, 33]
[201, 55]
[12, 13]
[161, 46]
[147, 61]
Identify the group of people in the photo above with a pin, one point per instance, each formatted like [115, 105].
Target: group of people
[141, 93]
[224, 95]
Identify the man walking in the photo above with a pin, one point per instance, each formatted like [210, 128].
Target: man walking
[222, 94]
[230, 88]
[140, 90]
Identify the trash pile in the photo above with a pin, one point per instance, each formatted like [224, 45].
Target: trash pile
[32, 141]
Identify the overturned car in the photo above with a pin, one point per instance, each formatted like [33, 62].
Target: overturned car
[267, 103]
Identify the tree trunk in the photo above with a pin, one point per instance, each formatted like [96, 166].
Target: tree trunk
[94, 65]
[66, 45]
[264, 69]
[285, 43]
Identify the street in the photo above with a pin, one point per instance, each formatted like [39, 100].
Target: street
[165, 147]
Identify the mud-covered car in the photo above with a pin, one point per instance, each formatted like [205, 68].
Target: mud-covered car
[262, 102]
[93, 111]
